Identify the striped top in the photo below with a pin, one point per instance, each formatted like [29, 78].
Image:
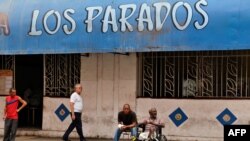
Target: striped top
[11, 107]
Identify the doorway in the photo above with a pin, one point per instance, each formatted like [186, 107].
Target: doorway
[29, 85]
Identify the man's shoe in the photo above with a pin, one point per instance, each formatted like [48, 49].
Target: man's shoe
[133, 138]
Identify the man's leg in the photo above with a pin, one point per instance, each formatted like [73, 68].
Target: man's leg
[13, 130]
[79, 126]
[133, 133]
[118, 133]
[7, 129]
[69, 130]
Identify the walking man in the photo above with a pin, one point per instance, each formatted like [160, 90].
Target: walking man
[76, 107]
[10, 116]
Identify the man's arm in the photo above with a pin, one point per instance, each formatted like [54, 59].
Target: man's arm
[159, 124]
[130, 126]
[5, 111]
[162, 125]
[72, 110]
[24, 103]
[145, 121]
[119, 118]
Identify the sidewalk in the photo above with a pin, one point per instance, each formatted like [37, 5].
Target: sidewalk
[33, 138]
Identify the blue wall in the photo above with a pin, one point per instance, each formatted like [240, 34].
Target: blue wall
[224, 26]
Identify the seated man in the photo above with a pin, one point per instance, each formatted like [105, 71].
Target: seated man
[152, 125]
[126, 122]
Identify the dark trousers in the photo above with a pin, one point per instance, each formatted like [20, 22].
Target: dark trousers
[77, 123]
[10, 127]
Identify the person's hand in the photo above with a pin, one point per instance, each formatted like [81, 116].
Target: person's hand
[4, 117]
[123, 128]
[73, 117]
[17, 110]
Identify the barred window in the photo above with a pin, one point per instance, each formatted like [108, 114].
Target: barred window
[206, 74]
[7, 62]
[62, 72]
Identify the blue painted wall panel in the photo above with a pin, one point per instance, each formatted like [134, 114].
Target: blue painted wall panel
[227, 28]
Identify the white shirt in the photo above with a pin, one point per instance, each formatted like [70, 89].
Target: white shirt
[78, 103]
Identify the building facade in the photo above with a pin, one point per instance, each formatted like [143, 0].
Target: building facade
[189, 59]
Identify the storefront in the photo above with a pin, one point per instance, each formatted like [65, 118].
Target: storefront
[189, 57]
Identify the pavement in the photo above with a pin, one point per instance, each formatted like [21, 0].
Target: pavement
[34, 138]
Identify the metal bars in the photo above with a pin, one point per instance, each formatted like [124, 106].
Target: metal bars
[211, 74]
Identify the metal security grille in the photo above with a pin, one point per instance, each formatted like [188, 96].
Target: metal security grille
[217, 74]
[62, 72]
[7, 62]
